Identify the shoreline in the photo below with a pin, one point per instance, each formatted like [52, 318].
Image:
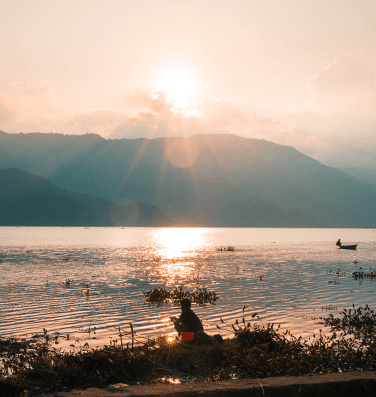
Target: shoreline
[256, 355]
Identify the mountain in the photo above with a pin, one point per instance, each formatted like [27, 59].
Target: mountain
[366, 174]
[203, 180]
[30, 200]
[360, 164]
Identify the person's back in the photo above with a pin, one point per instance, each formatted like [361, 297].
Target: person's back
[188, 320]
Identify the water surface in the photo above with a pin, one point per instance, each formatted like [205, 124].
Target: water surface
[287, 276]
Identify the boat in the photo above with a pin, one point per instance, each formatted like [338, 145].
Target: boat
[347, 247]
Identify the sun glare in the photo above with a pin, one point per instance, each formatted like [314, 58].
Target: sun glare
[174, 248]
[176, 243]
[178, 85]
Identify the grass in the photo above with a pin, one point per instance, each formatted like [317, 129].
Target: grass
[30, 367]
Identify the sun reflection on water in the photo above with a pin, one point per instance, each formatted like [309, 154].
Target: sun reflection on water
[174, 243]
[179, 269]
[175, 248]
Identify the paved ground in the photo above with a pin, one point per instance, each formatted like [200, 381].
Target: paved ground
[359, 384]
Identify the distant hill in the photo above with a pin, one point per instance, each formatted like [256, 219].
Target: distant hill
[365, 174]
[360, 164]
[30, 200]
[203, 180]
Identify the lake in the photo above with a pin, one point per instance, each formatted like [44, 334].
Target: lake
[286, 276]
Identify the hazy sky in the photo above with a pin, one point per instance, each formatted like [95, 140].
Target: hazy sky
[300, 73]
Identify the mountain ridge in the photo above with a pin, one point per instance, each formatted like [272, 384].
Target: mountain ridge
[30, 200]
[202, 180]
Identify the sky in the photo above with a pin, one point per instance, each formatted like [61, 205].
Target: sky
[297, 73]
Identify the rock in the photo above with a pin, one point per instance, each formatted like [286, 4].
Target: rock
[117, 387]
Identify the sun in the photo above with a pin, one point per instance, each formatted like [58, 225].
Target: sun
[178, 85]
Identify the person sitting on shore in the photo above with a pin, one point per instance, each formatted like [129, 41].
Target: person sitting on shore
[338, 243]
[188, 320]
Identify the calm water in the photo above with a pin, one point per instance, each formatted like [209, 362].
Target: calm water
[298, 269]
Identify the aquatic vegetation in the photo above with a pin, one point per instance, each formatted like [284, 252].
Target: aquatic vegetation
[328, 308]
[200, 295]
[228, 248]
[362, 274]
[339, 272]
[87, 292]
[157, 295]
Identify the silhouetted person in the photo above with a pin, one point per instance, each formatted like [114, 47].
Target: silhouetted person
[188, 320]
[338, 243]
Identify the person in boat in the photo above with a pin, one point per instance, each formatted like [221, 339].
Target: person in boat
[338, 243]
[188, 320]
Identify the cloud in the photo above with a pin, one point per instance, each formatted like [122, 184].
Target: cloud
[144, 114]
[343, 84]
[34, 106]
[153, 115]
[31, 110]
[154, 101]
[220, 115]
[36, 99]
[344, 117]
[8, 110]
[44, 90]
[101, 122]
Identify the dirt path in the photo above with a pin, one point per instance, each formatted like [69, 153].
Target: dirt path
[362, 384]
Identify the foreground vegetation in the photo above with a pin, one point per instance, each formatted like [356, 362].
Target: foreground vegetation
[256, 351]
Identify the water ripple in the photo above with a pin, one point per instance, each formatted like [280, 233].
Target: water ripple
[288, 278]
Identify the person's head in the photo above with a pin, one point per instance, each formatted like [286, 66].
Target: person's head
[185, 304]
